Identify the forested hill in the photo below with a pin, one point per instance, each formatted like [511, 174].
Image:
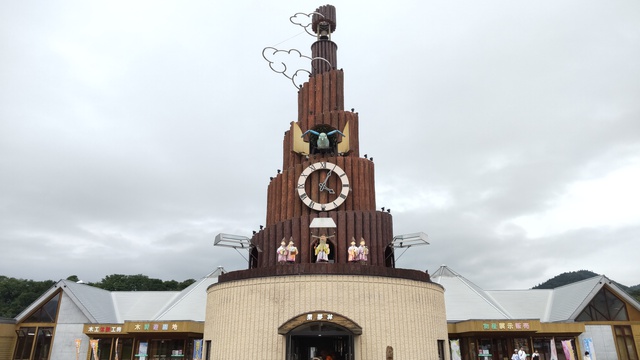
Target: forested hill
[17, 294]
[574, 276]
[565, 278]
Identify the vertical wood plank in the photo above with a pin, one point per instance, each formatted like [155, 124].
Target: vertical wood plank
[326, 92]
[333, 93]
[317, 110]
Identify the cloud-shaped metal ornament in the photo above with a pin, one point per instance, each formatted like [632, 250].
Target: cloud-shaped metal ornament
[280, 67]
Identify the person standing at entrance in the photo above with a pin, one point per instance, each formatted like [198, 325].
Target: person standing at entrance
[586, 356]
[535, 355]
[522, 354]
[515, 355]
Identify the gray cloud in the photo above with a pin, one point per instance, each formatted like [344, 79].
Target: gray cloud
[129, 139]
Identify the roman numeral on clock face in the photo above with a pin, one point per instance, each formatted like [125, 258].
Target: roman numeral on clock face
[322, 182]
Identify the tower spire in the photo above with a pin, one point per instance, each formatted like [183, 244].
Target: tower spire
[323, 24]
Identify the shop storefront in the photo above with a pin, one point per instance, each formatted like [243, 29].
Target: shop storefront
[497, 339]
[141, 340]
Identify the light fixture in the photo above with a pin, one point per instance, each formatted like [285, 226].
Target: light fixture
[406, 241]
[236, 242]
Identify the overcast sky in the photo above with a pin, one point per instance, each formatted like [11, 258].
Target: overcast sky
[133, 132]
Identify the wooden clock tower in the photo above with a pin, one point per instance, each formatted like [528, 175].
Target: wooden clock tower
[334, 290]
[331, 181]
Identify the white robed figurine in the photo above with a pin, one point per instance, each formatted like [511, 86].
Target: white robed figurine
[353, 251]
[363, 251]
[282, 252]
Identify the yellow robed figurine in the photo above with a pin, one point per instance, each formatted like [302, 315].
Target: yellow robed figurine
[322, 249]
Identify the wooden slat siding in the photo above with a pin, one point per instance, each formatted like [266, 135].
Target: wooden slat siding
[271, 196]
[385, 222]
[277, 207]
[312, 102]
[359, 181]
[340, 90]
[300, 103]
[373, 240]
[342, 231]
[359, 226]
[285, 153]
[273, 206]
[317, 89]
[263, 260]
[327, 50]
[280, 231]
[283, 195]
[326, 119]
[377, 241]
[365, 184]
[333, 93]
[303, 239]
[303, 100]
[376, 227]
[326, 92]
[372, 196]
[355, 134]
[270, 238]
[351, 224]
[291, 192]
[255, 239]
[265, 246]
[327, 13]
[343, 162]
[268, 215]
[295, 232]
[369, 236]
[338, 241]
[338, 123]
[297, 203]
[349, 164]
[370, 187]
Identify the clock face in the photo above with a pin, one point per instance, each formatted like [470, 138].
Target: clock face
[337, 194]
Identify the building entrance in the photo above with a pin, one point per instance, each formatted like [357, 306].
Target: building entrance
[319, 341]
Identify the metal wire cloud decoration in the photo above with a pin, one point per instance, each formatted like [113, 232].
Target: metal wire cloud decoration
[278, 66]
[278, 59]
[307, 20]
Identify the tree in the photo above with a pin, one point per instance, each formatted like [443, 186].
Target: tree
[17, 294]
[119, 282]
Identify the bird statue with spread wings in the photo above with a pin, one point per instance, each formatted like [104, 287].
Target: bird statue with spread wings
[322, 139]
[323, 143]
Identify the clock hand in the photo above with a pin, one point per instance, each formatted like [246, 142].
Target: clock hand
[323, 185]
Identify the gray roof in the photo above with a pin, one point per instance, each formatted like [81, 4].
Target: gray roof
[192, 301]
[102, 306]
[466, 301]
